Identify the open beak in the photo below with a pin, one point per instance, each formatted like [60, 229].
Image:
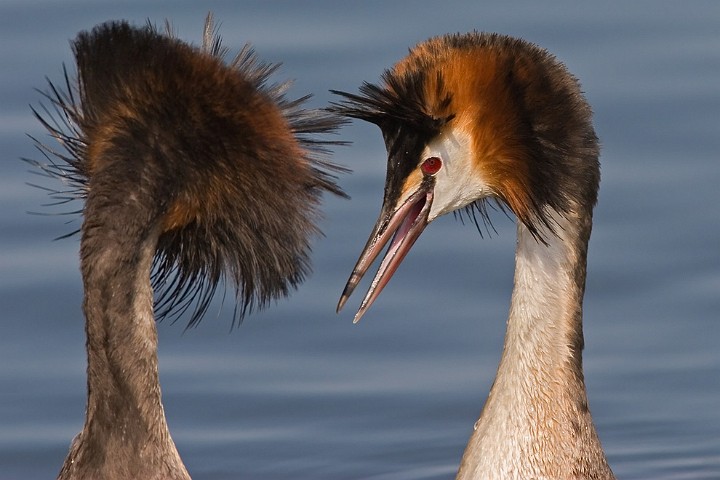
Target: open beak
[404, 225]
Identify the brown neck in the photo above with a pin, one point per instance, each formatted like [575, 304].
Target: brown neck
[536, 422]
[125, 433]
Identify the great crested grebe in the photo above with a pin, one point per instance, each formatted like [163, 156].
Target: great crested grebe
[477, 117]
[193, 170]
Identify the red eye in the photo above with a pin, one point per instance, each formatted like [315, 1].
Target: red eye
[431, 165]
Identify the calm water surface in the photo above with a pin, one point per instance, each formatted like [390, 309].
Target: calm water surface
[299, 392]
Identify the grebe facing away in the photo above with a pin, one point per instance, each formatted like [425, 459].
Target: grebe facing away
[193, 171]
[477, 117]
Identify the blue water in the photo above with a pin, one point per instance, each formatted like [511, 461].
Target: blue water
[299, 392]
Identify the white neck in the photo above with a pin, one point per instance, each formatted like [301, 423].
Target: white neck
[535, 423]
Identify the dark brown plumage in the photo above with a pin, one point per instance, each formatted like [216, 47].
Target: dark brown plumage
[193, 171]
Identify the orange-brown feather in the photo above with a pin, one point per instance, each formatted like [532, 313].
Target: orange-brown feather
[483, 106]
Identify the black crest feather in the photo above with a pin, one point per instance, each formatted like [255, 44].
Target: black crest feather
[399, 102]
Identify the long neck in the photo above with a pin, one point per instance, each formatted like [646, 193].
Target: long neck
[125, 433]
[536, 422]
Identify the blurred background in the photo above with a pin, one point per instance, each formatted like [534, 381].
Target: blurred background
[300, 392]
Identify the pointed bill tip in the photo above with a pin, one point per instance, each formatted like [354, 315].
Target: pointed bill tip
[355, 277]
[401, 230]
[341, 302]
[361, 311]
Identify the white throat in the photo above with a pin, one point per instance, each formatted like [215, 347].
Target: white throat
[456, 184]
[545, 298]
[535, 423]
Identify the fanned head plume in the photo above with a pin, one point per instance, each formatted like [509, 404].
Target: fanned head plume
[234, 169]
[470, 118]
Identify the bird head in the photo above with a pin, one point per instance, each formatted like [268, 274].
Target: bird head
[470, 118]
[226, 169]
